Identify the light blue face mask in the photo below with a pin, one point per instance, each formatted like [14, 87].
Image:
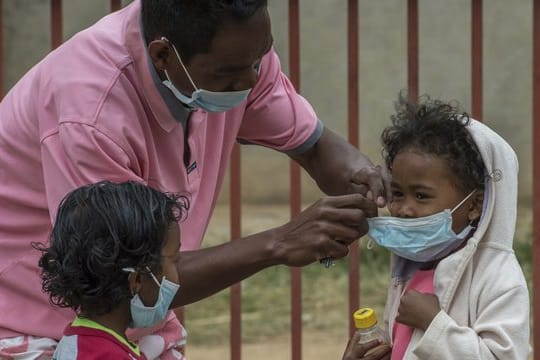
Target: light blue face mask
[144, 316]
[211, 101]
[420, 239]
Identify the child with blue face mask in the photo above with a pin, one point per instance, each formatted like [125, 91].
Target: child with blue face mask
[457, 290]
[111, 258]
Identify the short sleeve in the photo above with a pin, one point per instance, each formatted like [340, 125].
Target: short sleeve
[79, 154]
[276, 116]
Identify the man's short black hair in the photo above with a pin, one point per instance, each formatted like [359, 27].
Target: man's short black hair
[192, 24]
[99, 230]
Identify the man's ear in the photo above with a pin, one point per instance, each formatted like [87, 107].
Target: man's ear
[134, 280]
[160, 52]
[475, 208]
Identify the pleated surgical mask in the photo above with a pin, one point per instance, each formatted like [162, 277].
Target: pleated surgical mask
[419, 239]
[144, 316]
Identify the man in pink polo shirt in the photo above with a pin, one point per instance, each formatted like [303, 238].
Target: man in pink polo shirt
[159, 92]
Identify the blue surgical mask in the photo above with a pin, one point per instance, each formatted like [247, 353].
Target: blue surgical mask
[211, 101]
[420, 239]
[144, 316]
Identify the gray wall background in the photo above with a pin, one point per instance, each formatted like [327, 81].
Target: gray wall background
[444, 41]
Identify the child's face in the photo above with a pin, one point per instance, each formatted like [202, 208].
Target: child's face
[169, 256]
[422, 185]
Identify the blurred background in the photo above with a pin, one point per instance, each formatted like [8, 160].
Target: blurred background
[445, 72]
[444, 62]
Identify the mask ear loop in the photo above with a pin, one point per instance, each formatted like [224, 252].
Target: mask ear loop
[153, 276]
[132, 270]
[163, 38]
[462, 201]
[369, 244]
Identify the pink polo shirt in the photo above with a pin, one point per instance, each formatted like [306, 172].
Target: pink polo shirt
[95, 109]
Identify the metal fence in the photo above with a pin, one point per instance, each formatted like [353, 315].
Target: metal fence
[353, 127]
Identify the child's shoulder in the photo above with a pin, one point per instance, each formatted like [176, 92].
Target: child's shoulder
[86, 343]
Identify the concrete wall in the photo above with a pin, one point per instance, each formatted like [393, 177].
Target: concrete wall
[444, 68]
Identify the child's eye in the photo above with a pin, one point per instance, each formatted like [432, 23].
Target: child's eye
[421, 196]
[397, 194]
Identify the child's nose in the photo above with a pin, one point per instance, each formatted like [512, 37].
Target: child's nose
[403, 210]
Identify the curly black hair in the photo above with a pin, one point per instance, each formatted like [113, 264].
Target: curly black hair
[100, 229]
[200, 21]
[439, 128]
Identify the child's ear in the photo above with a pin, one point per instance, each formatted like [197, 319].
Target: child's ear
[134, 280]
[475, 208]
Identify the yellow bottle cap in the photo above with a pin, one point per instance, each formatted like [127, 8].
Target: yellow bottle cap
[364, 318]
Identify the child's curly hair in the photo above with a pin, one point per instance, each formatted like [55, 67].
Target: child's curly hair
[99, 230]
[438, 128]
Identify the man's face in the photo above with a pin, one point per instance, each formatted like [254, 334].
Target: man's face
[232, 61]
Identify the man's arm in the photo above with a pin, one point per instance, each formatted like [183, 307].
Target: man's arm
[323, 230]
[339, 168]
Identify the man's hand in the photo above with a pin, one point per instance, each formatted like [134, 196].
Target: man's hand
[325, 229]
[373, 350]
[372, 181]
[339, 168]
[417, 310]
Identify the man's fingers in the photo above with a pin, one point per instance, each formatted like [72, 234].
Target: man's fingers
[374, 178]
[351, 201]
[349, 217]
[341, 233]
[377, 187]
[345, 201]
[361, 189]
[325, 229]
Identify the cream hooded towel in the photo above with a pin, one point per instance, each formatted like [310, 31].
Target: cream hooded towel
[481, 288]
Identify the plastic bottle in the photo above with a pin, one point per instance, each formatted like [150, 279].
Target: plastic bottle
[365, 321]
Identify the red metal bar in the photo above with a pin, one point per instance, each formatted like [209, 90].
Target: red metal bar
[536, 175]
[412, 48]
[353, 127]
[236, 233]
[56, 23]
[116, 5]
[296, 273]
[476, 58]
